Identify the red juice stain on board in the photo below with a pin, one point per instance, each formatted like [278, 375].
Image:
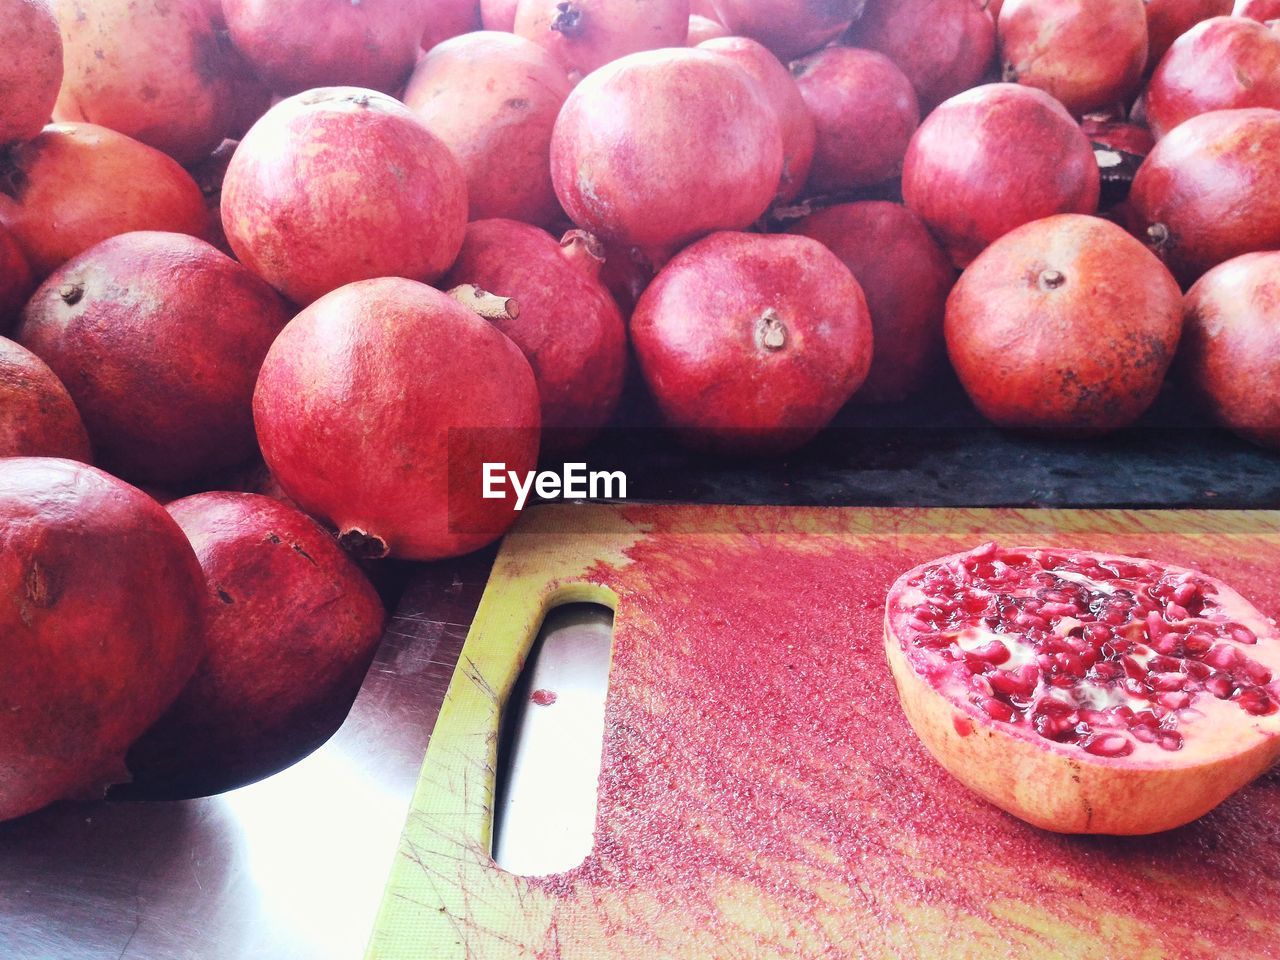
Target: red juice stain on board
[754, 740]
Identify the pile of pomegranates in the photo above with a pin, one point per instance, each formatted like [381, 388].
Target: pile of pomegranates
[359, 250]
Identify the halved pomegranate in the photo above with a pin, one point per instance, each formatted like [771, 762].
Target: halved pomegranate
[1082, 692]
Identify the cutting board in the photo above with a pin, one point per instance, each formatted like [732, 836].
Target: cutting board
[761, 795]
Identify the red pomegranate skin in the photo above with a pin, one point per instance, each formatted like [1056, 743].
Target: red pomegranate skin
[943, 46]
[586, 34]
[292, 626]
[102, 619]
[799, 132]
[30, 67]
[340, 184]
[751, 344]
[160, 72]
[905, 276]
[350, 419]
[498, 14]
[1087, 54]
[1227, 160]
[1231, 344]
[492, 99]
[1224, 63]
[1129, 138]
[992, 159]
[1261, 10]
[447, 19]
[865, 111]
[158, 338]
[296, 45]
[1167, 20]
[635, 141]
[77, 184]
[569, 327]
[16, 282]
[702, 29]
[37, 416]
[790, 28]
[1065, 324]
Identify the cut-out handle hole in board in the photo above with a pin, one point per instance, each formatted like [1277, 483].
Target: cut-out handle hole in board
[551, 742]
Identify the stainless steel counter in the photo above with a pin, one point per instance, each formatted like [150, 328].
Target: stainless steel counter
[291, 868]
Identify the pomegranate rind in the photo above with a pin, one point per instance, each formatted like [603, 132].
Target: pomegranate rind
[1060, 787]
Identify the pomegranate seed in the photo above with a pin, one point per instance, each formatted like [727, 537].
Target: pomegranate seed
[996, 710]
[1156, 627]
[1133, 669]
[1167, 681]
[1170, 740]
[1179, 700]
[1221, 686]
[991, 652]
[1256, 671]
[1176, 611]
[1222, 657]
[1062, 681]
[1134, 687]
[1097, 633]
[1197, 644]
[1059, 610]
[1115, 615]
[1242, 634]
[1106, 671]
[1162, 664]
[1112, 745]
[1257, 702]
[1197, 670]
[1185, 593]
[1145, 734]
[1021, 682]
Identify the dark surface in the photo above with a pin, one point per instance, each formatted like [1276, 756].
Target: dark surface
[293, 868]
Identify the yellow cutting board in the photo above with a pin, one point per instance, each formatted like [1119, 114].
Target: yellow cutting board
[761, 795]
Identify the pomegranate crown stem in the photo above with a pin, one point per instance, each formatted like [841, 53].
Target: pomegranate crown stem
[486, 304]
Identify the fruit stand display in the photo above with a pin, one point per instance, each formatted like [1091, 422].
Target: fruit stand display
[306, 307]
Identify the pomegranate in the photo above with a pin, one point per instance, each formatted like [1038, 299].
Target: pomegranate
[102, 623]
[1085, 692]
[1228, 160]
[158, 337]
[943, 46]
[493, 99]
[586, 34]
[1167, 20]
[702, 29]
[787, 27]
[447, 19]
[1085, 53]
[77, 184]
[1067, 324]
[635, 140]
[799, 133]
[865, 111]
[1261, 10]
[498, 14]
[16, 282]
[1128, 138]
[992, 159]
[568, 326]
[1219, 64]
[350, 418]
[30, 67]
[1231, 344]
[293, 624]
[905, 276]
[298, 44]
[163, 73]
[751, 344]
[37, 415]
[340, 184]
